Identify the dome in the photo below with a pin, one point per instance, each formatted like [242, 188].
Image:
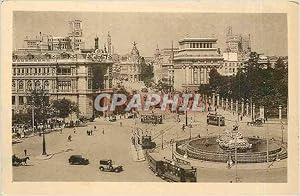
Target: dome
[135, 51]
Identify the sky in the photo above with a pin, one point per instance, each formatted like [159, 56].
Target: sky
[268, 31]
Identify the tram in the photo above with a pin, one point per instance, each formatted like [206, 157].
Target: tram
[152, 118]
[170, 170]
[215, 119]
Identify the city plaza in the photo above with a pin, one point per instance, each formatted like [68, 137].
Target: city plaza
[63, 67]
[115, 144]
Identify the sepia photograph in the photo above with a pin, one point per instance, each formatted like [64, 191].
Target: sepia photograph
[145, 97]
[96, 99]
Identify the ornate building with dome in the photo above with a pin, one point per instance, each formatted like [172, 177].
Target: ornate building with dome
[130, 66]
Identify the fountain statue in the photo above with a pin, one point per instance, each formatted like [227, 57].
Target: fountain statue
[233, 139]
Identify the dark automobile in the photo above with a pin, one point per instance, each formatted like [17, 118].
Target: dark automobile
[78, 160]
[108, 165]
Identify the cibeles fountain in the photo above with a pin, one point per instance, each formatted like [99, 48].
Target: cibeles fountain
[231, 145]
[233, 140]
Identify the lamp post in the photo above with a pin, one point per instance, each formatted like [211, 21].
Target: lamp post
[172, 146]
[44, 143]
[264, 83]
[282, 128]
[190, 131]
[235, 157]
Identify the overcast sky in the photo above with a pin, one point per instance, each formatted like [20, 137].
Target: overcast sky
[268, 31]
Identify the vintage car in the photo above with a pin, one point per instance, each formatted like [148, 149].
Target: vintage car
[108, 165]
[78, 160]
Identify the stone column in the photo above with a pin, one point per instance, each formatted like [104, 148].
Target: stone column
[222, 102]
[187, 75]
[242, 112]
[280, 107]
[213, 100]
[204, 76]
[236, 106]
[247, 109]
[192, 75]
[261, 112]
[218, 100]
[198, 75]
[231, 105]
[253, 111]
[226, 104]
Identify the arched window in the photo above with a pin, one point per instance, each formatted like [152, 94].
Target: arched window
[29, 85]
[21, 85]
[46, 85]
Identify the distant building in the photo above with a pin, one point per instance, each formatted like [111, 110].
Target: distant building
[231, 64]
[130, 65]
[193, 62]
[163, 65]
[43, 42]
[63, 68]
[237, 43]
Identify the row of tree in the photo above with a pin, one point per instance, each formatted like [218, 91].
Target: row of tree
[260, 83]
[38, 101]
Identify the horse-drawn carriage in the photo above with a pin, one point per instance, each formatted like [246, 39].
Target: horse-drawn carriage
[16, 161]
[257, 122]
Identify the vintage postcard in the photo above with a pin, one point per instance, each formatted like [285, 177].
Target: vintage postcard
[149, 97]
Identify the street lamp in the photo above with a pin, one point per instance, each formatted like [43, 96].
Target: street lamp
[235, 158]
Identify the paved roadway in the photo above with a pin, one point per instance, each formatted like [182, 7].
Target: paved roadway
[115, 144]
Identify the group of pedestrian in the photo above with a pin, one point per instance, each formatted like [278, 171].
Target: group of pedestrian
[89, 132]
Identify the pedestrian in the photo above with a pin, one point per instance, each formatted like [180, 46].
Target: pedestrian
[87, 132]
[74, 130]
[103, 131]
[25, 152]
[120, 124]
[69, 138]
[91, 132]
[95, 128]
[183, 127]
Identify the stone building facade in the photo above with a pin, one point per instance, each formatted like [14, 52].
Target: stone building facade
[193, 62]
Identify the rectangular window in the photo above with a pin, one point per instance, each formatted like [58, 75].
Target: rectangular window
[21, 100]
[13, 100]
[14, 71]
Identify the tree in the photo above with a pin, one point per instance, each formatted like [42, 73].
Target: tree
[65, 107]
[39, 100]
[146, 72]
[263, 85]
